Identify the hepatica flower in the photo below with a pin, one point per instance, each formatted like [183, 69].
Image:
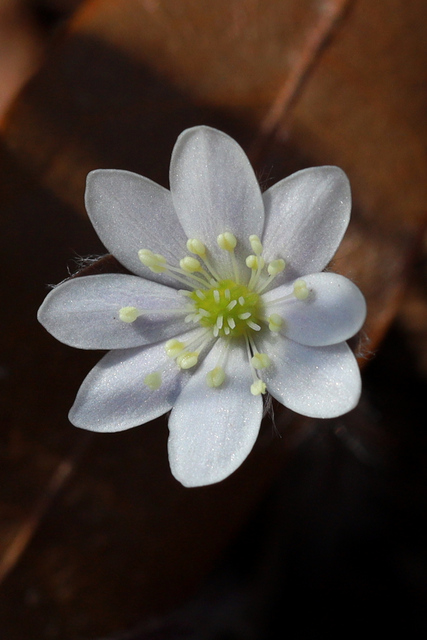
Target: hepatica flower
[228, 301]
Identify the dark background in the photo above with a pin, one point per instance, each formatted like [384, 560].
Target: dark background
[322, 531]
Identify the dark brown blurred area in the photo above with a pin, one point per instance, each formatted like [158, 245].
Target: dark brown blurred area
[322, 531]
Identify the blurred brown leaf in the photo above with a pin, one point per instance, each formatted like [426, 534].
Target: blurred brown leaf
[297, 83]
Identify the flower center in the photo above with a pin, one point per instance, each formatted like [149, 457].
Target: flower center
[223, 307]
[229, 309]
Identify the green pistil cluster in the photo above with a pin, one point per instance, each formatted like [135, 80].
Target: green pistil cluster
[229, 309]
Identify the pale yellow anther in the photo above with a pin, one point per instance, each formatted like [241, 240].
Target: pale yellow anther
[275, 322]
[197, 247]
[128, 314]
[276, 266]
[260, 361]
[190, 265]
[256, 244]
[153, 381]
[174, 347]
[216, 377]
[187, 359]
[301, 291]
[226, 241]
[154, 261]
[255, 262]
[258, 387]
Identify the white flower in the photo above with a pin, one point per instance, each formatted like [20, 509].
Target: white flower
[228, 300]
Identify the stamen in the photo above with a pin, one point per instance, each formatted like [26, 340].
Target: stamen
[255, 262]
[244, 316]
[153, 380]
[256, 245]
[275, 322]
[174, 347]
[204, 313]
[219, 321]
[187, 359]
[216, 295]
[154, 261]
[227, 241]
[227, 331]
[216, 377]
[129, 314]
[197, 247]
[190, 265]
[276, 266]
[301, 291]
[231, 323]
[200, 294]
[258, 387]
[260, 361]
[241, 301]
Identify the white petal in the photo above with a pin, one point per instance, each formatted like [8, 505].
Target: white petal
[113, 397]
[212, 431]
[214, 189]
[334, 311]
[306, 217]
[319, 382]
[130, 213]
[84, 312]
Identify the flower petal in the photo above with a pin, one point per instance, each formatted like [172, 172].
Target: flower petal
[319, 382]
[84, 312]
[212, 431]
[214, 189]
[130, 213]
[334, 311]
[306, 217]
[114, 397]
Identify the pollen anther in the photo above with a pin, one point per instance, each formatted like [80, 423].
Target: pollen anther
[128, 314]
[256, 244]
[255, 262]
[174, 347]
[216, 377]
[197, 247]
[258, 387]
[154, 261]
[276, 266]
[260, 361]
[301, 291]
[190, 265]
[227, 241]
[187, 359]
[153, 380]
[275, 322]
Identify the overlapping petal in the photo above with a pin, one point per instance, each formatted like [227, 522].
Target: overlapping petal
[84, 312]
[212, 431]
[214, 189]
[306, 216]
[114, 397]
[319, 382]
[334, 311]
[130, 213]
